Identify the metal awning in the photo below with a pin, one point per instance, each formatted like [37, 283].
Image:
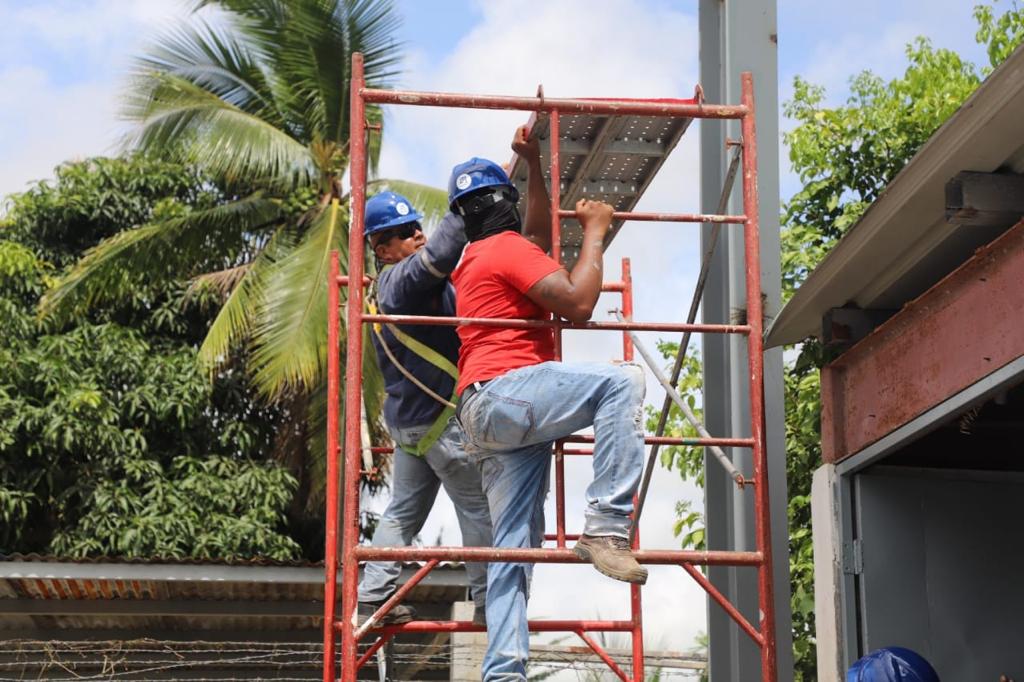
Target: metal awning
[611, 158]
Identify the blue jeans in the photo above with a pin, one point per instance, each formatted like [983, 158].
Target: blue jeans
[511, 424]
[415, 482]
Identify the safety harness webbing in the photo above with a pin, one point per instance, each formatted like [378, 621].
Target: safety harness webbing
[424, 351]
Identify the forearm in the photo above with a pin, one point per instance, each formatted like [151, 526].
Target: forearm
[588, 274]
[444, 248]
[537, 226]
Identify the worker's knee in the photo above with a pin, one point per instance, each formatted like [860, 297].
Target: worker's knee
[633, 379]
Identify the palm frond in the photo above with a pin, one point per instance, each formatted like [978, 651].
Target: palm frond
[373, 402]
[311, 51]
[215, 60]
[221, 282]
[290, 338]
[236, 318]
[374, 139]
[177, 117]
[157, 253]
[432, 202]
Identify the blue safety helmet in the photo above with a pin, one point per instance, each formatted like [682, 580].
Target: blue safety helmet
[477, 174]
[388, 210]
[892, 664]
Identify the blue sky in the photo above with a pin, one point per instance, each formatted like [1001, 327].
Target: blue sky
[62, 64]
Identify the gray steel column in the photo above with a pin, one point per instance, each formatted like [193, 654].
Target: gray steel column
[737, 36]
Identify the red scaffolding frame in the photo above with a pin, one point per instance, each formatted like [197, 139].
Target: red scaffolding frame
[352, 553]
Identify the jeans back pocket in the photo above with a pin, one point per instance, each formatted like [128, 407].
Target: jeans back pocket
[500, 423]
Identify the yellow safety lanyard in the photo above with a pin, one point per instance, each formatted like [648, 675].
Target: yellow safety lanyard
[433, 357]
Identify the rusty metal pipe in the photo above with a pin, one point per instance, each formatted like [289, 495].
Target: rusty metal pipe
[550, 555]
[541, 324]
[534, 626]
[670, 217]
[610, 107]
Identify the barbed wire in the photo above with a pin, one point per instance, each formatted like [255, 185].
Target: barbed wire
[187, 661]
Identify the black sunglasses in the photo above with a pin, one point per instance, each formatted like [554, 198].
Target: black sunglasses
[403, 232]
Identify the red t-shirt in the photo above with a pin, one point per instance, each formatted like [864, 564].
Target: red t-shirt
[491, 281]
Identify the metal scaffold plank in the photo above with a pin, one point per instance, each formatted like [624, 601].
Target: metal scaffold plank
[608, 157]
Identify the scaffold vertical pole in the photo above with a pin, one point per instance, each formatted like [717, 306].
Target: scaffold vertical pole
[627, 308]
[353, 372]
[554, 122]
[555, 197]
[635, 592]
[331, 542]
[755, 356]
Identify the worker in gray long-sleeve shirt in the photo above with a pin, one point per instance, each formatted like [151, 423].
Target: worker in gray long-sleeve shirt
[428, 442]
[429, 445]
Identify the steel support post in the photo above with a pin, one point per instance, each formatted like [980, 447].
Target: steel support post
[353, 374]
[737, 36]
[331, 543]
[635, 593]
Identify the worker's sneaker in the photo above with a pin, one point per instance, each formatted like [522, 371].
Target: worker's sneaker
[480, 616]
[610, 555]
[399, 613]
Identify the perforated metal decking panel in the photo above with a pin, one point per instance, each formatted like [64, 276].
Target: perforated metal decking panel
[611, 158]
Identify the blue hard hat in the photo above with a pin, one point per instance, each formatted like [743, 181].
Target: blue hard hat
[388, 210]
[476, 174]
[892, 664]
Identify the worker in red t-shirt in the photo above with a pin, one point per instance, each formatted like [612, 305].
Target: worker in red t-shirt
[516, 400]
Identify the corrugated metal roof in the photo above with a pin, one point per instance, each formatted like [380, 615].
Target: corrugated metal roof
[176, 561]
[611, 158]
[50, 593]
[903, 245]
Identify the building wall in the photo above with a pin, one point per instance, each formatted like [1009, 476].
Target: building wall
[962, 329]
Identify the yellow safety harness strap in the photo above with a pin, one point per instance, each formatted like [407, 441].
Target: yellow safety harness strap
[424, 351]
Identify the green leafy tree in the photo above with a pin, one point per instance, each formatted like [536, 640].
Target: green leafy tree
[256, 96]
[844, 156]
[111, 409]
[106, 437]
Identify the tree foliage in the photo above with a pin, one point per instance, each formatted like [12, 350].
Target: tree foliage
[255, 94]
[213, 507]
[111, 411]
[844, 156]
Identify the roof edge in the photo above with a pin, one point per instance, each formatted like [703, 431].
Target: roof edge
[793, 325]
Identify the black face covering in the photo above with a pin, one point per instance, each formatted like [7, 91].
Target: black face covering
[486, 217]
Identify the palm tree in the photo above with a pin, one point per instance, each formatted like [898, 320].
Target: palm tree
[254, 93]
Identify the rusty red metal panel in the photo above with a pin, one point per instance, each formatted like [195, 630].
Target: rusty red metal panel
[957, 332]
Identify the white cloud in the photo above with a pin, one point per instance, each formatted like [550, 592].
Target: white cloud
[63, 65]
[50, 124]
[831, 63]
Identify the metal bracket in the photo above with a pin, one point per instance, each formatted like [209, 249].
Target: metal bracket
[853, 558]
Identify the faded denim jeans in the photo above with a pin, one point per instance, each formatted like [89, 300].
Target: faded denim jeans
[415, 482]
[511, 424]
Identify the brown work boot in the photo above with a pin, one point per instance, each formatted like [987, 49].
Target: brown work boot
[610, 555]
[398, 615]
